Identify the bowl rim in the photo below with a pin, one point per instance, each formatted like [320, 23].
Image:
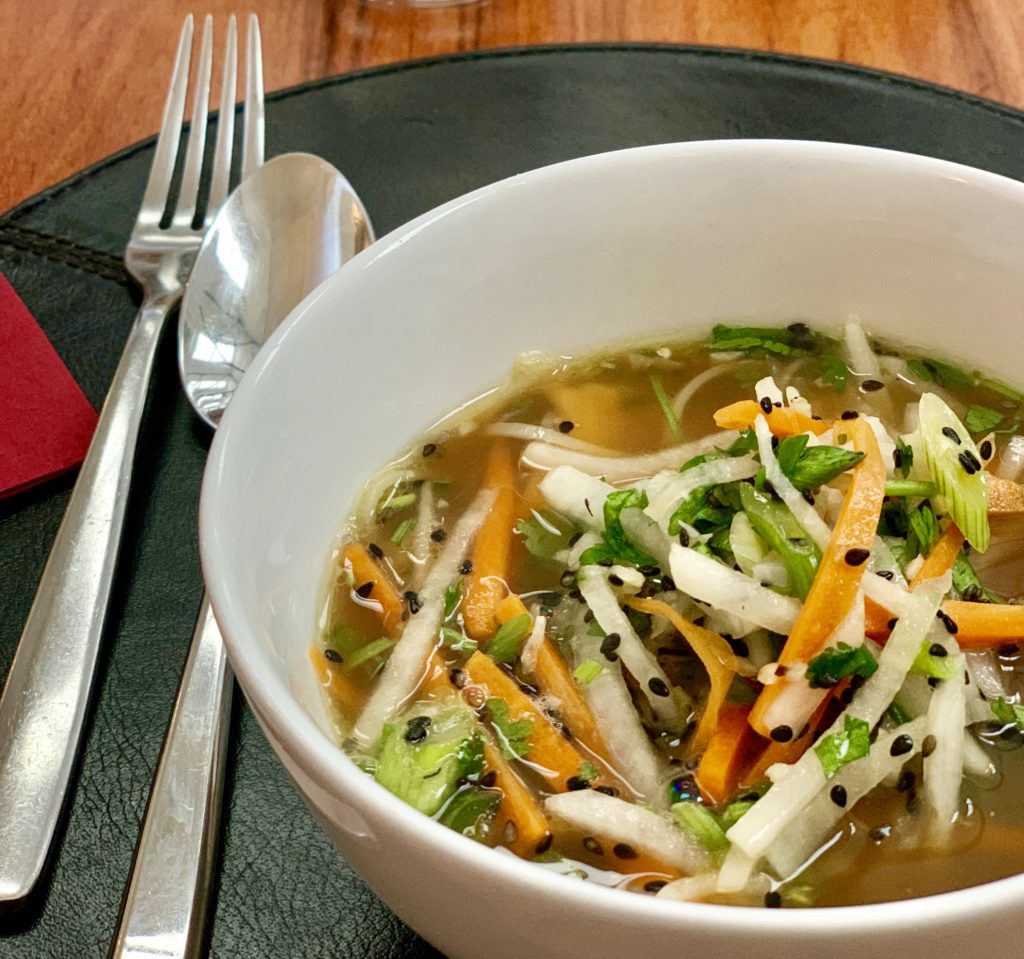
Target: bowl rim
[325, 763]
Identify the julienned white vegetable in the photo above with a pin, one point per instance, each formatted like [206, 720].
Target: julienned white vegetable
[642, 531]
[407, 663]
[542, 434]
[886, 444]
[577, 495]
[944, 766]
[955, 468]
[748, 548]
[633, 755]
[737, 873]
[986, 673]
[710, 582]
[787, 799]
[802, 839]
[883, 560]
[592, 582]
[546, 456]
[426, 523]
[767, 388]
[689, 888]
[861, 357]
[803, 512]
[528, 654]
[976, 761]
[616, 820]
[670, 488]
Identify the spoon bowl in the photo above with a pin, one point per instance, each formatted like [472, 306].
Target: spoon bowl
[286, 228]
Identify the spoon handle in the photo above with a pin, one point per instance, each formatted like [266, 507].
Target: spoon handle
[165, 906]
[46, 694]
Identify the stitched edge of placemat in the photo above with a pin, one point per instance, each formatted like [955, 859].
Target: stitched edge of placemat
[758, 56]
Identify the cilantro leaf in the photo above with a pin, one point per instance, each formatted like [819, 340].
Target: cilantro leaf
[967, 584]
[504, 644]
[797, 339]
[452, 599]
[814, 465]
[1008, 713]
[924, 527]
[789, 452]
[905, 457]
[951, 377]
[588, 772]
[981, 419]
[706, 509]
[853, 742]
[615, 546]
[830, 666]
[545, 535]
[834, 372]
[513, 735]
[746, 442]
[933, 667]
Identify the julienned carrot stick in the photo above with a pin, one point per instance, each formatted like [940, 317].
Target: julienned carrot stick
[519, 822]
[729, 752]
[509, 608]
[551, 755]
[1004, 496]
[486, 585]
[345, 694]
[984, 625]
[842, 567]
[782, 420]
[365, 569]
[942, 557]
[715, 654]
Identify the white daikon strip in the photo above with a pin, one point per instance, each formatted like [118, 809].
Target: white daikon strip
[802, 511]
[801, 839]
[914, 696]
[944, 766]
[426, 523]
[689, 888]
[528, 432]
[632, 753]
[977, 762]
[748, 548]
[592, 582]
[648, 832]
[886, 444]
[632, 579]
[889, 594]
[528, 654]
[861, 357]
[710, 582]
[787, 799]
[571, 556]
[408, 661]
[736, 872]
[882, 560]
[576, 495]
[675, 487]
[768, 388]
[545, 456]
[986, 673]
[771, 572]
[642, 531]
[690, 390]
[796, 402]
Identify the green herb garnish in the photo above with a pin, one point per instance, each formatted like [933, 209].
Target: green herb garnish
[809, 467]
[840, 748]
[702, 824]
[513, 735]
[924, 527]
[831, 665]
[587, 671]
[834, 372]
[934, 667]
[981, 419]
[402, 530]
[906, 456]
[504, 644]
[615, 546]
[778, 528]
[1008, 713]
[666, 407]
[545, 535]
[470, 811]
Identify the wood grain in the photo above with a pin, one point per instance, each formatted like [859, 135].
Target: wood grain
[83, 78]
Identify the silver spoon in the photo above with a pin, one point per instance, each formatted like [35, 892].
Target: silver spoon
[287, 227]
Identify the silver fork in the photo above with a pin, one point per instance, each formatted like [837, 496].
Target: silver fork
[46, 695]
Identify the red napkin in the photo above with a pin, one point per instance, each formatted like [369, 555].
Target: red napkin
[45, 420]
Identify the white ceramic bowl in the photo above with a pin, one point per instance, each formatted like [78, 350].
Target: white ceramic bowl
[565, 258]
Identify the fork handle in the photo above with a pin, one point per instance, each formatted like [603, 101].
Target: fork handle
[46, 695]
[164, 912]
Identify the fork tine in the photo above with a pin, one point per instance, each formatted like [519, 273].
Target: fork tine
[158, 186]
[189, 192]
[225, 125]
[252, 140]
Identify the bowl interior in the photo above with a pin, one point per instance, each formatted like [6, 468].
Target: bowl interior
[606, 248]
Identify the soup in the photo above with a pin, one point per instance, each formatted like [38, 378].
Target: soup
[733, 620]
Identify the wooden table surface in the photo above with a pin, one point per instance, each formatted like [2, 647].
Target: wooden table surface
[83, 78]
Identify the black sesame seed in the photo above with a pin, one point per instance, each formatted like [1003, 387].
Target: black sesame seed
[566, 426]
[766, 405]
[575, 783]
[588, 616]
[885, 573]
[575, 538]
[951, 433]
[333, 655]
[949, 623]
[489, 778]
[782, 734]
[655, 885]
[838, 795]
[856, 556]
[808, 496]
[457, 678]
[750, 797]
[668, 584]
[872, 386]
[856, 681]
[846, 696]
[438, 535]
[1008, 649]
[775, 442]
[415, 734]
[849, 415]
[928, 745]
[615, 580]
[609, 644]
[897, 458]
[969, 462]
[624, 850]
[365, 589]
[574, 594]
[411, 597]
[933, 681]
[937, 649]
[545, 844]
[684, 537]
[375, 551]
[648, 569]
[466, 567]
[593, 846]
[901, 745]
[880, 833]
[568, 578]
[739, 647]
[586, 502]
[657, 686]
[777, 405]
[773, 899]
[892, 623]
[429, 449]
[906, 781]
[607, 790]
[986, 450]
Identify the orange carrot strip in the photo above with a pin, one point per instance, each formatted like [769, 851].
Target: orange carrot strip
[984, 625]
[553, 756]
[728, 753]
[519, 818]
[715, 654]
[365, 569]
[1004, 496]
[509, 608]
[837, 580]
[782, 420]
[876, 619]
[346, 695]
[942, 557]
[486, 586]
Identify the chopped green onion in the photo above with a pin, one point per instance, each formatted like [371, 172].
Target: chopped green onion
[734, 812]
[925, 528]
[898, 714]
[470, 811]
[587, 671]
[934, 667]
[403, 529]
[367, 652]
[504, 644]
[906, 456]
[666, 407]
[907, 487]
[702, 824]
[402, 501]
[776, 525]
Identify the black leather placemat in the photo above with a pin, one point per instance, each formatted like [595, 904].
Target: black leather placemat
[408, 137]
